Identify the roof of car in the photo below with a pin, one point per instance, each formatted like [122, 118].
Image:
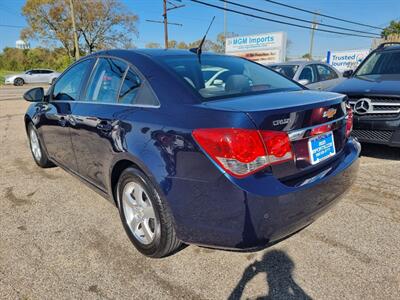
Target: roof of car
[297, 62]
[156, 52]
[389, 47]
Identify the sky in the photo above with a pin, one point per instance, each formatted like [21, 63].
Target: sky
[195, 19]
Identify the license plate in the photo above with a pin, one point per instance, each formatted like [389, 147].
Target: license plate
[321, 147]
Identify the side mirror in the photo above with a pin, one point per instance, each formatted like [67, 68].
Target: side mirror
[34, 95]
[304, 81]
[348, 73]
[218, 82]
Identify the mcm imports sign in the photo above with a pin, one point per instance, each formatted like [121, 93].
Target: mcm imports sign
[346, 60]
[264, 48]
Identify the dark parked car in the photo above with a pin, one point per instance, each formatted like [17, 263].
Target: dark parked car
[238, 167]
[374, 93]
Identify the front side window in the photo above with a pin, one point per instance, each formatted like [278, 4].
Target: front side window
[68, 86]
[326, 73]
[105, 82]
[215, 76]
[381, 63]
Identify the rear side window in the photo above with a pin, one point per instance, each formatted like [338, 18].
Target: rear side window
[129, 88]
[288, 70]
[68, 87]
[105, 82]
[326, 73]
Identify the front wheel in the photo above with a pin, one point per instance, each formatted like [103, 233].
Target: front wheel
[18, 82]
[144, 215]
[39, 156]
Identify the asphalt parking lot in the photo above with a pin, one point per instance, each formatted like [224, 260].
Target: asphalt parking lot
[60, 240]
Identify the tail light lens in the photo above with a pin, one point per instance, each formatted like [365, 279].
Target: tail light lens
[241, 152]
[349, 120]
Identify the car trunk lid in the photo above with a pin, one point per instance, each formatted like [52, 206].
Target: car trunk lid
[304, 115]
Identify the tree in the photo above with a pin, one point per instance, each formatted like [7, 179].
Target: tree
[392, 30]
[105, 24]
[152, 45]
[172, 44]
[49, 21]
[182, 45]
[307, 56]
[101, 24]
[219, 45]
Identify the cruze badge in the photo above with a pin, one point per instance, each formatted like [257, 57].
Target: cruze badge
[329, 113]
[280, 122]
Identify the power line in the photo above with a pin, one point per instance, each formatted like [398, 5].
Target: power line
[11, 26]
[322, 15]
[276, 21]
[296, 19]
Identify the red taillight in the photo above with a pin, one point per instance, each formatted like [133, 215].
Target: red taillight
[278, 146]
[241, 152]
[349, 120]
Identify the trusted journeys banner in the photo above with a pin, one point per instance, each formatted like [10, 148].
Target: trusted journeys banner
[346, 60]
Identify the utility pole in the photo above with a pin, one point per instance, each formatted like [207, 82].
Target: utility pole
[74, 29]
[313, 27]
[224, 25]
[165, 24]
[165, 18]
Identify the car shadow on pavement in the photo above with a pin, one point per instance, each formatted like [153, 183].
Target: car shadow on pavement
[380, 151]
[278, 268]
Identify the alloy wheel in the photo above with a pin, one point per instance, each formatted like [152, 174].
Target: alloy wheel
[139, 213]
[35, 146]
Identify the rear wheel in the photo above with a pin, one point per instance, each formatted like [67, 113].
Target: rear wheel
[39, 156]
[18, 81]
[145, 218]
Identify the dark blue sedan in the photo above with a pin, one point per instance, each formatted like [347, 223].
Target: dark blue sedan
[211, 150]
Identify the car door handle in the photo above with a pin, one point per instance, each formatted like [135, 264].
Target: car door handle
[63, 121]
[104, 126]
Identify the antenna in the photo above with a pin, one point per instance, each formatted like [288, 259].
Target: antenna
[198, 50]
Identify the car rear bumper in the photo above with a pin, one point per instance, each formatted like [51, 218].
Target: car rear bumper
[225, 215]
[383, 131]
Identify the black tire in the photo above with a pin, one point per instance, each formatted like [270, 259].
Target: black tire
[18, 81]
[43, 160]
[165, 241]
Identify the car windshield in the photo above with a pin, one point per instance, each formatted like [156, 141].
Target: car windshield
[218, 76]
[287, 70]
[381, 63]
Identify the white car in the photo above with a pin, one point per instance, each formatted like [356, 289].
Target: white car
[33, 76]
[313, 74]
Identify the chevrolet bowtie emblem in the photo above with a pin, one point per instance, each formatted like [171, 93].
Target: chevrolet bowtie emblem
[329, 113]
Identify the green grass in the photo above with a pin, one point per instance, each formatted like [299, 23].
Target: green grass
[3, 74]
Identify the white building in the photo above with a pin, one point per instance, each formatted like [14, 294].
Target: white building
[20, 44]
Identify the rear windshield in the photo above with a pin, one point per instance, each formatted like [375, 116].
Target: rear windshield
[381, 63]
[216, 76]
[287, 70]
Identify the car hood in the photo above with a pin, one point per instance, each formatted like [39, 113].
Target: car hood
[13, 76]
[371, 84]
